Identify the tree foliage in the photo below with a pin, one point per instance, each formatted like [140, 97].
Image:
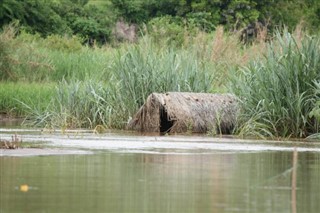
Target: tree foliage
[233, 14]
[65, 17]
[93, 21]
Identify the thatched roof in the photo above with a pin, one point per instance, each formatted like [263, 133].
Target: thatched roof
[182, 112]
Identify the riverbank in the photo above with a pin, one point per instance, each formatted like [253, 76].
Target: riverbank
[276, 81]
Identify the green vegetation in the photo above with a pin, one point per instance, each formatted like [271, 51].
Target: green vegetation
[110, 99]
[67, 17]
[35, 59]
[279, 92]
[72, 71]
[14, 97]
[94, 20]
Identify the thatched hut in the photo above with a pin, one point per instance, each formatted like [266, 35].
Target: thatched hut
[182, 112]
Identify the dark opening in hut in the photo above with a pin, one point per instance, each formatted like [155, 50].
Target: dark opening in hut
[176, 112]
[165, 122]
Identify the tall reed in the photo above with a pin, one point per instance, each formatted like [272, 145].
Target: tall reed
[75, 104]
[35, 95]
[278, 92]
[137, 71]
[144, 68]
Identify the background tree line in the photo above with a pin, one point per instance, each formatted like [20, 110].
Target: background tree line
[94, 20]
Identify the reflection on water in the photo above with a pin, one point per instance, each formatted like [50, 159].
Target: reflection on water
[10, 122]
[221, 181]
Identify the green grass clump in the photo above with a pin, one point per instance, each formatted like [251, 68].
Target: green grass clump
[144, 68]
[80, 65]
[137, 71]
[75, 104]
[279, 92]
[30, 58]
[13, 95]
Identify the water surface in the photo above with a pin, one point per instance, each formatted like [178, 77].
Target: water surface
[130, 173]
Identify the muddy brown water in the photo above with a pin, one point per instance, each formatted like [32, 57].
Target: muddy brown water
[79, 171]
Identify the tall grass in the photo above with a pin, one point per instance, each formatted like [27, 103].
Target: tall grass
[278, 92]
[75, 104]
[137, 71]
[144, 68]
[35, 95]
[30, 58]
[5, 50]
[226, 52]
[80, 65]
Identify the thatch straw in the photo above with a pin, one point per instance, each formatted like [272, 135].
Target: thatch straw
[182, 112]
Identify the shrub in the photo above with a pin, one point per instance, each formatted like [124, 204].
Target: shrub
[20, 60]
[168, 31]
[63, 43]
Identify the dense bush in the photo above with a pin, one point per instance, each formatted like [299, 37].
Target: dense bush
[168, 30]
[232, 14]
[278, 93]
[94, 21]
[59, 17]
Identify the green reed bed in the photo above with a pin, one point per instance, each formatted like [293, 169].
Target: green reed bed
[84, 64]
[75, 104]
[279, 93]
[35, 95]
[137, 71]
[144, 68]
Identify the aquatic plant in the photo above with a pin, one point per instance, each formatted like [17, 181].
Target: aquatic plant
[279, 92]
[35, 95]
[144, 68]
[75, 104]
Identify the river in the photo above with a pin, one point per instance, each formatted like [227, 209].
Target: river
[79, 171]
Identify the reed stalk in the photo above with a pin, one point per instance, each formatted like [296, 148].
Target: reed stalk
[279, 91]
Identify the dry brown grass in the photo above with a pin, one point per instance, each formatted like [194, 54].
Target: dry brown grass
[226, 49]
[13, 144]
